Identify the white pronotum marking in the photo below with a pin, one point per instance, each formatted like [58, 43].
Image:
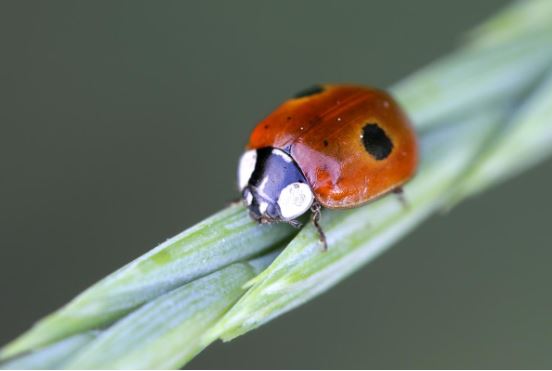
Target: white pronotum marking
[281, 154]
[295, 200]
[248, 198]
[246, 167]
[263, 206]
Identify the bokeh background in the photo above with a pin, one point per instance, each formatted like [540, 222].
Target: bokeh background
[121, 124]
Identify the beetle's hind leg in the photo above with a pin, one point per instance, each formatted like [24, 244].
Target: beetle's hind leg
[399, 192]
[316, 212]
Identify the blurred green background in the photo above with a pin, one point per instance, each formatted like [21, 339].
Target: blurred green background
[121, 124]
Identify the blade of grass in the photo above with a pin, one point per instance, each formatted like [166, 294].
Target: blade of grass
[170, 330]
[226, 237]
[471, 79]
[53, 356]
[521, 17]
[524, 142]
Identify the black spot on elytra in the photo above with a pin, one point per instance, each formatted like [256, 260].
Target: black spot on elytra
[266, 126]
[316, 89]
[376, 141]
[325, 143]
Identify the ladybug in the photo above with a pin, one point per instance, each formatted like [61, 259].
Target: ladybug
[336, 146]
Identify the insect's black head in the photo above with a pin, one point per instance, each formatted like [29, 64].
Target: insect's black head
[272, 185]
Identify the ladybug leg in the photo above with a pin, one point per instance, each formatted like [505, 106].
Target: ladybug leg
[295, 223]
[400, 195]
[316, 212]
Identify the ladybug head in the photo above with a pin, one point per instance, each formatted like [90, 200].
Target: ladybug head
[273, 187]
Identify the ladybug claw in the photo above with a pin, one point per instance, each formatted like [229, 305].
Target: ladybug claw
[295, 224]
